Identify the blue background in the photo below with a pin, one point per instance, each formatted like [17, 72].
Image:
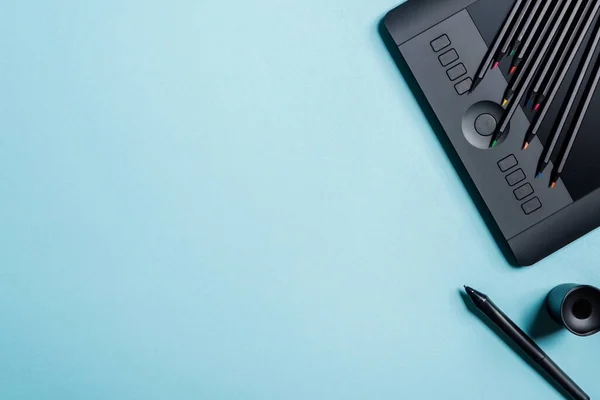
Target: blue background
[242, 200]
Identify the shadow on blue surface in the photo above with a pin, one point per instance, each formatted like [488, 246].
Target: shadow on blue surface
[542, 324]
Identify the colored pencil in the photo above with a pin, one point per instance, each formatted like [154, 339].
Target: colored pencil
[566, 109]
[525, 28]
[540, 19]
[550, 62]
[488, 59]
[547, 97]
[516, 80]
[508, 41]
[576, 125]
[543, 41]
[542, 92]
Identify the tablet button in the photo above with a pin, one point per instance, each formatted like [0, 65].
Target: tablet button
[448, 57]
[456, 72]
[440, 43]
[531, 206]
[515, 177]
[523, 191]
[485, 124]
[464, 86]
[508, 163]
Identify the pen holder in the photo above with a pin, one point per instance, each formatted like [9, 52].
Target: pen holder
[576, 307]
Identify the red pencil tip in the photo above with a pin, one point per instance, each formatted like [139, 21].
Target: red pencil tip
[495, 64]
[512, 69]
[526, 145]
[536, 107]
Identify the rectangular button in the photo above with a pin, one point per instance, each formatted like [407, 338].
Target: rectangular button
[515, 177]
[507, 163]
[440, 43]
[448, 57]
[463, 86]
[523, 191]
[531, 206]
[456, 72]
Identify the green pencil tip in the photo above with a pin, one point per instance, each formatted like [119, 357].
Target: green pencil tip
[512, 52]
[493, 143]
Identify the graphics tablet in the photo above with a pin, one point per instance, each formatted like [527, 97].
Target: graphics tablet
[439, 45]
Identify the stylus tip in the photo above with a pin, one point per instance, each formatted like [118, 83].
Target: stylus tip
[526, 145]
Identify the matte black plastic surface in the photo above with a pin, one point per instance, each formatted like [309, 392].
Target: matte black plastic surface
[576, 307]
[532, 224]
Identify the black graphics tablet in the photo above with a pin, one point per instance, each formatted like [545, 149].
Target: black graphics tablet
[439, 45]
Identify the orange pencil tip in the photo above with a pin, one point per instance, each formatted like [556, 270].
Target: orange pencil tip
[552, 185]
[526, 145]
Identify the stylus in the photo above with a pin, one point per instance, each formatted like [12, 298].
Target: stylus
[525, 27]
[487, 61]
[544, 101]
[532, 35]
[566, 108]
[516, 79]
[525, 343]
[537, 96]
[530, 71]
[576, 126]
[557, 46]
[513, 32]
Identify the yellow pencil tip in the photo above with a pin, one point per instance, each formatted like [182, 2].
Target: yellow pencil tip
[504, 102]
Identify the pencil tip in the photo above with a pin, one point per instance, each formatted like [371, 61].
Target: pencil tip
[538, 174]
[473, 85]
[552, 185]
[495, 65]
[526, 145]
[512, 53]
[535, 108]
[494, 143]
[512, 69]
[528, 103]
[504, 102]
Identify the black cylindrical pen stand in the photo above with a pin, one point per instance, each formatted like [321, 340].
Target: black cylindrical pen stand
[576, 307]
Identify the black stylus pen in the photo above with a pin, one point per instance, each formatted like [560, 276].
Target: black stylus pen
[486, 306]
